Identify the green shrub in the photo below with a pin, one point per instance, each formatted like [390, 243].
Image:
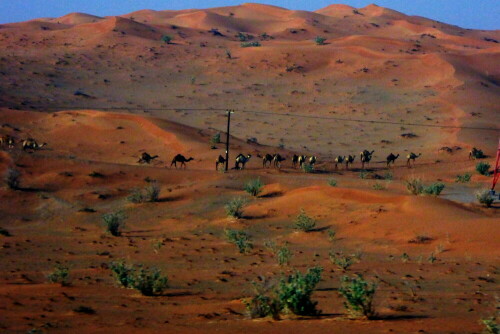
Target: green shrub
[341, 261]
[434, 189]
[114, 222]
[12, 178]
[483, 168]
[240, 238]
[491, 325]
[283, 255]
[359, 296]
[234, 208]
[307, 168]
[465, 178]
[59, 275]
[264, 303]
[148, 282]
[295, 290]
[332, 182]
[150, 193]
[250, 44]
[415, 186]
[484, 197]
[166, 39]
[303, 222]
[215, 139]
[254, 187]
[378, 186]
[320, 40]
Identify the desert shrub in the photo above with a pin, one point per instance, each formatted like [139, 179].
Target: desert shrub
[148, 282]
[124, 273]
[264, 302]
[84, 309]
[483, 168]
[295, 290]
[341, 261]
[388, 176]
[114, 222]
[215, 139]
[283, 255]
[434, 189]
[250, 44]
[491, 325]
[307, 168]
[240, 238]
[59, 275]
[378, 186]
[484, 197]
[478, 154]
[12, 178]
[244, 37]
[150, 193]
[359, 296]
[465, 178]
[234, 208]
[332, 182]
[320, 40]
[303, 222]
[166, 39]
[228, 54]
[414, 186]
[254, 187]
[363, 174]
[4, 232]
[331, 235]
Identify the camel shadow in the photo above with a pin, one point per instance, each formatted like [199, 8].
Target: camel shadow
[320, 229]
[254, 217]
[170, 199]
[272, 194]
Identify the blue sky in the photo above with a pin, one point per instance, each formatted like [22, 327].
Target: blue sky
[480, 14]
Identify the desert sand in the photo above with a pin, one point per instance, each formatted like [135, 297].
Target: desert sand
[100, 91]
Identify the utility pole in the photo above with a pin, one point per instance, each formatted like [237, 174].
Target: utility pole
[229, 112]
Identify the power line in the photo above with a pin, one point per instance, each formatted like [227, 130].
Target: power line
[260, 112]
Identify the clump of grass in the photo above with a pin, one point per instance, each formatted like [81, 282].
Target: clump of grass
[332, 182]
[5, 232]
[483, 168]
[432, 258]
[241, 239]
[331, 235]
[60, 275]
[148, 282]
[250, 44]
[12, 178]
[359, 296]
[434, 189]
[388, 176]
[215, 139]
[378, 186]
[320, 40]
[342, 261]
[491, 325]
[234, 208]
[150, 193]
[465, 178]
[295, 291]
[114, 222]
[484, 197]
[264, 302]
[405, 257]
[415, 186]
[254, 187]
[303, 222]
[166, 39]
[307, 168]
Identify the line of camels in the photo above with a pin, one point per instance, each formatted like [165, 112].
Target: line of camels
[27, 144]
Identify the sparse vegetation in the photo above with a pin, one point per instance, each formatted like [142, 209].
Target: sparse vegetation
[331, 235]
[59, 275]
[359, 296]
[234, 208]
[434, 189]
[342, 261]
[114, 221]
[12, 178]
[491, 325]
[241, 239]
[363, 174]
[320, 40]
[150, 193]
[265, 302]
[295, 290]
[307, 168]
[250, 44]
[332, 182]
[483, 168]
[148, 282]
[378, 186]
[484, 197]
[465, 178]
[214, 140]
[228, 54]
[166, 39]
[415, 186]
[420, 239]
[303, 222]
[254, 187]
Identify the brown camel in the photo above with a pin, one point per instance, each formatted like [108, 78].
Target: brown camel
[219, 161]
[241, 160]
[410, 157]
[365, 157]
[277, 160]
[146, 158]
[391, 158]
[180, 158]
[31, 143]
[339, 160]
[7, 140]
[268, 158]
[349, 160]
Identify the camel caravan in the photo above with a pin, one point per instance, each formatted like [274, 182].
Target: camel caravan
[28, 144]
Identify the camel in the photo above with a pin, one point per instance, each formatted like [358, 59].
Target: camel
[411, 156]
[295, 160]
[31, 143]
[301, 160]
[313, 160]
[365, 157]
[391, 158]
[349, 160]
[219, 161]
[180, 158]
[7, 140]
[268, 158]
[146, 158]
[241, 159]
[277, 160]
[339, 160]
